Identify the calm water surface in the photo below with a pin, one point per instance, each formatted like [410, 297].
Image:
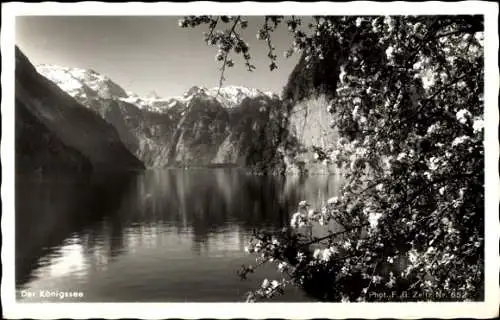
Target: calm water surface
[162, 236]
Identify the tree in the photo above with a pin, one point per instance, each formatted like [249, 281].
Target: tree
[408, 103]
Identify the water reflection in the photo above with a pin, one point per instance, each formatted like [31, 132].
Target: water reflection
[54, 209]
[166, 235]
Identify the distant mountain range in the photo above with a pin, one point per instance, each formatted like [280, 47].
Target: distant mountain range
[230, 126]
[205, 126]
[86, 84]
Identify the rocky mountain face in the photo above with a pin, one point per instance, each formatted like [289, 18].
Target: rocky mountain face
[38, 149]
[54, 132]
[204, 127]
[231, 125]
[309, 126]
[306, 95]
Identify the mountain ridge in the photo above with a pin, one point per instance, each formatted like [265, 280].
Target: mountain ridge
[87, 84]
[204, 127]
[232, 125]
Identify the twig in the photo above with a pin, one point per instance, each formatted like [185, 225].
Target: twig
[371, 280]
[333, 235]
[464, 30]
[223, 68]
[213, 28]
[445, 87]
[270, 46]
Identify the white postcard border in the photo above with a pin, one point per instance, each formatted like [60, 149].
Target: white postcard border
[486, 309]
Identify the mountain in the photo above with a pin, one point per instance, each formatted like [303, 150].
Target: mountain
[227, 96]
[81, 83]
[230, 126]
[38, 149]
[55, 132]
[87, 84]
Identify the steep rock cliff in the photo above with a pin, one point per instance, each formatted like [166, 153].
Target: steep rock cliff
[39, 150]
[309, 127]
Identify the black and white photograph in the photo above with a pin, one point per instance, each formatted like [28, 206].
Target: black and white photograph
[285, 161]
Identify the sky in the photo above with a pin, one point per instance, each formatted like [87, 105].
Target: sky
[146, 54]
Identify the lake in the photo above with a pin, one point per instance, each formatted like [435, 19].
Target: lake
[158, 236]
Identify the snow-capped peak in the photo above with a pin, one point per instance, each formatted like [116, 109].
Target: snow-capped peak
[81, 83]
[63, 77]
[87, 84]
[228, 96]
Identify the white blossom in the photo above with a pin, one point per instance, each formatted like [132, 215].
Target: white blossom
[373, 218]
[389, 52]
[441, 190]
[361, 151]
[430, 250]
[355, 112]
[300, 256]
[376, 279]
[433, 128]
[478, 124]
[327, 254]
[297, 220]
[333, 200]
[310, 213]
[387, 103]
[387, 163]
[413, 256]
[342, 75]
[317, 253]
[321, 221]
[282, 266]
[462, 115]
[433, 163]
[389, 22]
[274, 283]
[428, 79]
[265, 283]
[258, 246]
[347, 244]
[417, 65]
[401, 156]
[329, 108]
[459, 140]
[392, 280]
